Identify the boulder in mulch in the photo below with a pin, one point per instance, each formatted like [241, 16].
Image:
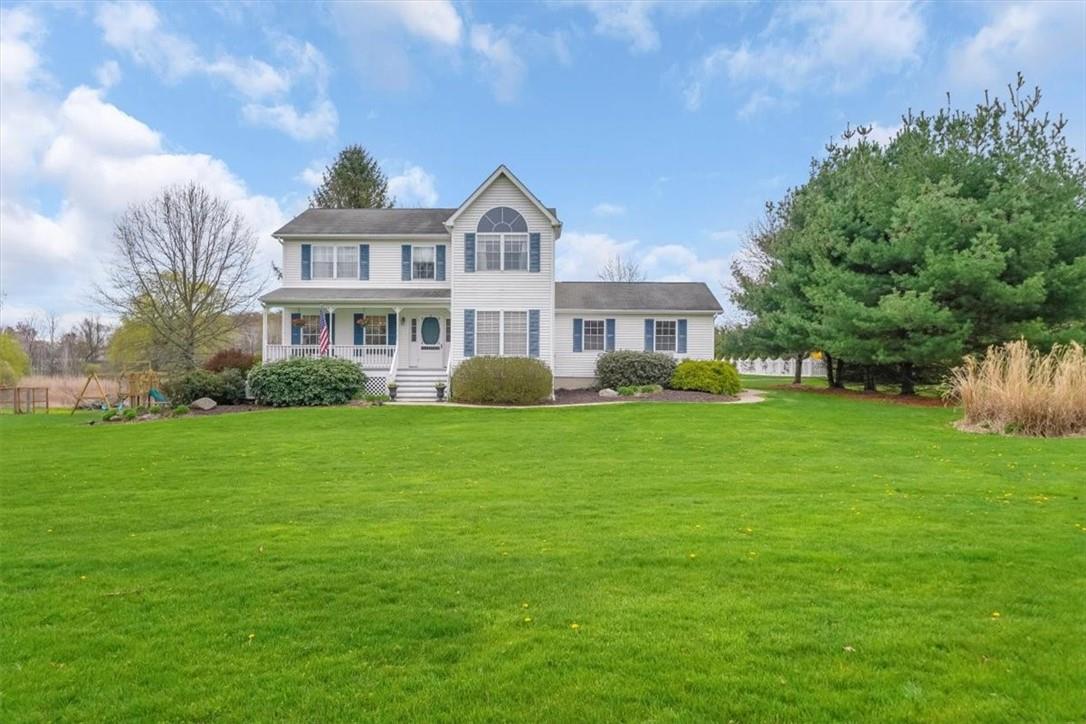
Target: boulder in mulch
[203, 403]
[608, 392]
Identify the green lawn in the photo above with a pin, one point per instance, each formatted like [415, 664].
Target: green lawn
[809, 558]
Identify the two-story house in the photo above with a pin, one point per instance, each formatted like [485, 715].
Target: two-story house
[410, 293]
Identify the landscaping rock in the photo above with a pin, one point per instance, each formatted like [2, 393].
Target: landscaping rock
[204, 403]
[608, 392]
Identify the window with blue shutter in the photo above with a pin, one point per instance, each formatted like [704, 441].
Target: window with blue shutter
[295, 329]
[359, 330]
[533, 252]
[392, 325]
[307, 256]
[469, 332]
[469, 252]
[681, 344]
[364, 262]
[578, 329]
[405, 262]
[650, 330]
[441, 262]
[533, 332]
[609, 345]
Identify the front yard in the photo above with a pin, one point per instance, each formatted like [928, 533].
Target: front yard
[808, 558]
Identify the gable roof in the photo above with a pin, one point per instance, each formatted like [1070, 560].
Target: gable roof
[502, 170]
[636, 296]
[317, 222]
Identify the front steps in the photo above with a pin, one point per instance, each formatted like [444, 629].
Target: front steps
[416, 385]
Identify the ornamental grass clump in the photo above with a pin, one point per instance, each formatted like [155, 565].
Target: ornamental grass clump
[1017, 389]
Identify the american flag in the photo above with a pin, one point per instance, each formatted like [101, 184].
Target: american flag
[323, 341]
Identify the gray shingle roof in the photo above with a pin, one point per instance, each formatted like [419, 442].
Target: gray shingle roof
[368, 221]
[636, 296]
[285, 295]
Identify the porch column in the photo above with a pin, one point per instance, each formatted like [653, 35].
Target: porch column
[264, 333]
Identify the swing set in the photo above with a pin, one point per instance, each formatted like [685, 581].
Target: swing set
[139, 388]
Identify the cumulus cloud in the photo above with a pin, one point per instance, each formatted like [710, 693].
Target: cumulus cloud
[608, 209]
[501, 63]
[137, 30]
[413, 186]
[626, 20]
[108, 74]
[839, 46]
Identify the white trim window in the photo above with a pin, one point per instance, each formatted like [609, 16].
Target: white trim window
[515, 252]
[497, 252]
[375, 330]
[515, 334]
[334, 262]
[666, 335]
[595, 335]
[311, 329]
[488, 252]
[423, 262]
[488, 333]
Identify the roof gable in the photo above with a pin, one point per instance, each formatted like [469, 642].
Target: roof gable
[499, 172]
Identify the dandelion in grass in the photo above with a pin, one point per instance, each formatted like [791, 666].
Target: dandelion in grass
[575, 626]
[527, 619]
[995, 614]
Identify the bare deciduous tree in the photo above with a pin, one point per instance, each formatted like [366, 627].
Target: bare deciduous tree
[90, 338]
[618, 269]
[184, 266]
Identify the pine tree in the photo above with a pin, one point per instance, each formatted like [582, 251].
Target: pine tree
[353, 181]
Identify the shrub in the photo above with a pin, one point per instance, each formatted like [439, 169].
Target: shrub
[109, 415]
[1014, 388]
[181, 410]
[306, 381]
[194, 385]
[649, 389]
[715, 376]
[503, 380]
[627, 391]
[129, 414]
[631, 369]
[7, 374]
[227, 359]
[231, 387]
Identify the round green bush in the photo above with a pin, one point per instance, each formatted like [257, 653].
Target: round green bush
[129, 414]
[715, 376]
[502, 380]
[306, 381]
[181, 410]
[231, 387]
[633, 369]
[193, 385]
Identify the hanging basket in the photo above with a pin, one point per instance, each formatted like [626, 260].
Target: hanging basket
[297, 322]
[361, 322]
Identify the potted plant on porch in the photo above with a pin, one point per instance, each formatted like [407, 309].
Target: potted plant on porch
[392, 386]
[439, 387]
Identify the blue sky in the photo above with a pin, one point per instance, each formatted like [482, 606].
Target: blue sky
[658, 130]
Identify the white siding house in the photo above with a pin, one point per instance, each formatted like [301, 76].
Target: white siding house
[410, 293]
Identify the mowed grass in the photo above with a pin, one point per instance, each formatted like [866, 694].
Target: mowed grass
[809, 558]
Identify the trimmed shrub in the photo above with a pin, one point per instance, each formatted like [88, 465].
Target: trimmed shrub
[194, 385]
[109, 415]
[633, 369]
[227, 359]
[181, 410]
[231, 387]
[306, 381]
[627, 391]
[502, 380]
[650, 389]
[715, 376]
[129, 414]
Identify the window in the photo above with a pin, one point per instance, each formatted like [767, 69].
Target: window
[488, 252]
[334, 262]
[375, 330]
[488, 333]
[422, 263]
[311, 329]
[594, 335]
[414, 329]
[500, 220]
[516, 252]
[665, 335]
[515, 342]
[448, 330]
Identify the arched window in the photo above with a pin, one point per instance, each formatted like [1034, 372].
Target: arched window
[502, 241]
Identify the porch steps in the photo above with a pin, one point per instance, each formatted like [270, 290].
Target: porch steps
[416, 385]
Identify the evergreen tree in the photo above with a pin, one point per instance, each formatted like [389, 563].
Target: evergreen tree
[353, 181]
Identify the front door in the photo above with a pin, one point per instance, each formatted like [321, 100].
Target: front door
[427, 342]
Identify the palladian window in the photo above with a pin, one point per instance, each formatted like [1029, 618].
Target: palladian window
[502, 241]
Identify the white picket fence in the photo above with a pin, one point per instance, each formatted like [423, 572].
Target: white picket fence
[779, 367]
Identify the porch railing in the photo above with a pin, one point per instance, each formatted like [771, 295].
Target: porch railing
[371, 355]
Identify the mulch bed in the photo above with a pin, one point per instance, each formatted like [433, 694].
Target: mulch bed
[580, 397]
[910, 400]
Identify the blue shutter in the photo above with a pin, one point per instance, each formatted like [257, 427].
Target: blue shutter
[359, 331]
[405, 262]
[307, 254]
[610, 343]
[295, 332]
[680, 346]
[469, 332]
[533, 252]
[440, 253]
[364, 262]
[332, 327]
[578, 329]
[469, 252]
[393, 323]
[533, 332]
[650, 332]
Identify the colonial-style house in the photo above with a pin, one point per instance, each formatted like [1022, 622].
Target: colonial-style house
[410, 293]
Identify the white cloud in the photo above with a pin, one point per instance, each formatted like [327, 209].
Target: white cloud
[108, 74]
[136, 29]
[500, 61]
[413, 186]
[26, 114]
[608, 209]
[833, 45]
[627, 20]
[433, 20]
[877, 133]
[581, 255]
[1021, 36]
[313, 174]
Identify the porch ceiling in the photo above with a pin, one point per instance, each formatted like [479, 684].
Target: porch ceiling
[309, 295]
